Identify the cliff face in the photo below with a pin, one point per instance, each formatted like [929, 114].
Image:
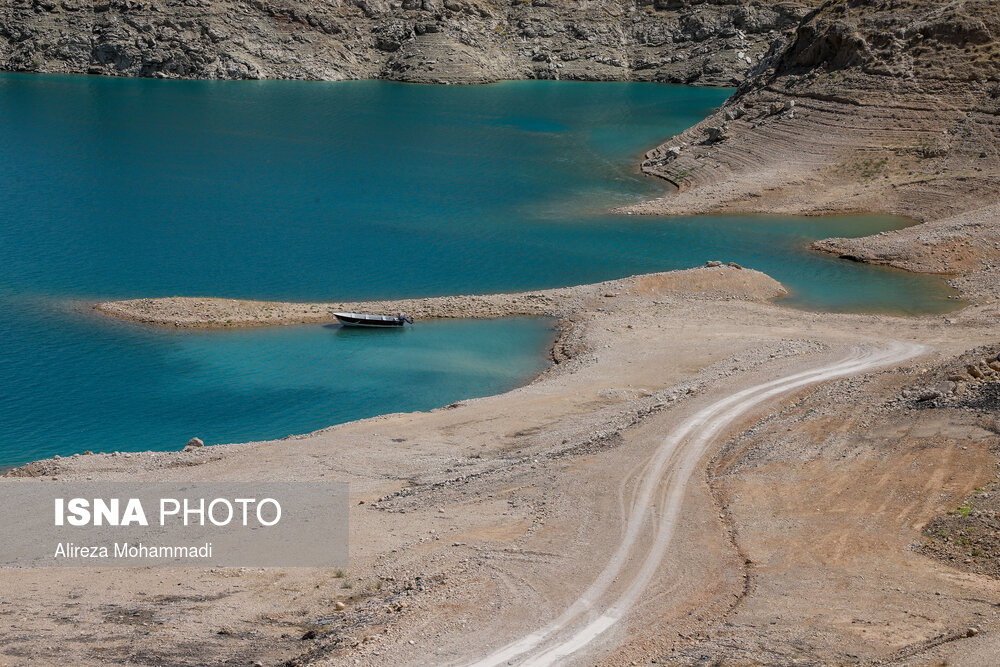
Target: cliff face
[878, 105]
[899, 52]
[710, 42]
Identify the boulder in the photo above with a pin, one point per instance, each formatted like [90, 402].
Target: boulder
[194, 443]
[716, 133]
[927, 395]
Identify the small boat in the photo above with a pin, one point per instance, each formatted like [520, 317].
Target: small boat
[366, 320]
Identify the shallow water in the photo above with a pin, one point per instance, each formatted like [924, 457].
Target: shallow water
[96, 385]
[117, 188]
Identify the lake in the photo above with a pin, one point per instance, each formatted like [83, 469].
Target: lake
[120, 188]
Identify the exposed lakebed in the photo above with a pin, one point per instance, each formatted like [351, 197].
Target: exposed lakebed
[118, 188]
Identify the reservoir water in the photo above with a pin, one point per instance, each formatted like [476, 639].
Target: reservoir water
[118, 188]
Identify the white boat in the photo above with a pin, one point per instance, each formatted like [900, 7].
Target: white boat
[376, 321]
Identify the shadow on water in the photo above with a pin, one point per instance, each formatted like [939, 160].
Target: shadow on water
[348, 332]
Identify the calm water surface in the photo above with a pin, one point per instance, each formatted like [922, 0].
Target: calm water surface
[118, 188]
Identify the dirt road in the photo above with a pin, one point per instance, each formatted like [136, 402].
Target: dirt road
[661, 493]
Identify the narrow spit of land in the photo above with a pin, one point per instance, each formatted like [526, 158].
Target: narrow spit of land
[193, 312]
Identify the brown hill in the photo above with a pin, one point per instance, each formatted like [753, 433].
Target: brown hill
[888, 106]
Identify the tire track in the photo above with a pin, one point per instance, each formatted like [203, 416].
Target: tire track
[662, 484]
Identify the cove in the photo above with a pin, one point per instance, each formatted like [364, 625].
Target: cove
[100, 385]
[120, 188]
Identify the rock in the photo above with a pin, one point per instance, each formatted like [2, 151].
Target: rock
[944, 388]
[928, 395]
[974, 372]
[735, 265]
[340, 606]
[733, 113]
[674, 151]
[716, 134]
[971, 632]
[713, 263]
[194, 443]
[309, 634]
[995, 365]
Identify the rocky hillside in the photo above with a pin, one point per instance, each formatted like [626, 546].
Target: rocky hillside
[884, 105]
[712, 42]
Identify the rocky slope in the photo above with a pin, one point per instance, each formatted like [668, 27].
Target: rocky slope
[712, 42]
[889, 105]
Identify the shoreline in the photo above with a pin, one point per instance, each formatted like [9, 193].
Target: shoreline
[513, 477]
[402, 82]
[564, 306]
[559, 305]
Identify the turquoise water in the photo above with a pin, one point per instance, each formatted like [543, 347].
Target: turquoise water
[116, 386]
[116, 188]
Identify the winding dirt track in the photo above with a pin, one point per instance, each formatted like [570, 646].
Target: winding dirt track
[661, 489]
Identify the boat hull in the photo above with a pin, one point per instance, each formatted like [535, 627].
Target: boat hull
[369, 323]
